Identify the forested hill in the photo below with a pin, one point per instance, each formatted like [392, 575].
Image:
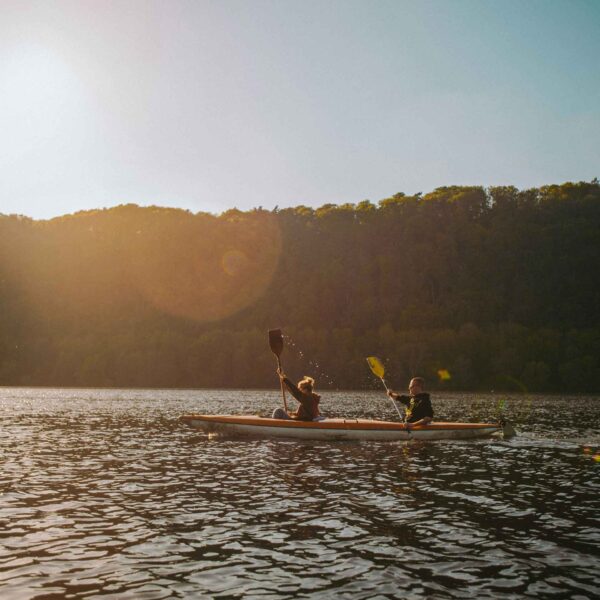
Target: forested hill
[498, 287]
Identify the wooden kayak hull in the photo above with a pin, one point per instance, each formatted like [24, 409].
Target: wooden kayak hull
[336, 429]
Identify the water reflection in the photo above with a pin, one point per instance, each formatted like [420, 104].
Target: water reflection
[104, 493]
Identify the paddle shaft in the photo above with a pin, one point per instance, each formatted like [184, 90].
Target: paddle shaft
[378, 370]
[276, 344]
[387, 389]
[393, 401]
[282, 387]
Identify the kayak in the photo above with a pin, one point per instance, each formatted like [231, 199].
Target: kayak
[337, 429]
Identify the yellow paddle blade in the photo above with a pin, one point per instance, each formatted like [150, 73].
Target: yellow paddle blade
[376, 366]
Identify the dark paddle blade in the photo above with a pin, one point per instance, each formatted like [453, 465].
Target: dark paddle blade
[276, 341]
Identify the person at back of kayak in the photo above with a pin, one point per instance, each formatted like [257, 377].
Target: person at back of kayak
[418, 404]
[303, 392]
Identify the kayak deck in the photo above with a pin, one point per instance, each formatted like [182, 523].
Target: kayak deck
[336, 429]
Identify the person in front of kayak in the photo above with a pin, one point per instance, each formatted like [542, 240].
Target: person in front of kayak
[304, 393]
[418, 403]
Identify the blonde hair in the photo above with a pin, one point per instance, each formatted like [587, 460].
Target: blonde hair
[307, 383]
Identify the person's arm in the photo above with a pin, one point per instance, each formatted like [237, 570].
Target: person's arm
[291, 386]
[399, 397]
[302, 398]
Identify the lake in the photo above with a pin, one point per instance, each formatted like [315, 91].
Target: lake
[104, 493]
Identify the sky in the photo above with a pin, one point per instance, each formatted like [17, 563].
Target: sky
[208, 105]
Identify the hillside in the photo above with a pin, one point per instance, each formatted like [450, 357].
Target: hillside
[500, 287]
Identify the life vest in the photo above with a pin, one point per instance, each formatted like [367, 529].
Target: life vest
[419, 406]
[309, 407]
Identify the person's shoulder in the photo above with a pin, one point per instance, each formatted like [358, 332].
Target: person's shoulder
[423, 396]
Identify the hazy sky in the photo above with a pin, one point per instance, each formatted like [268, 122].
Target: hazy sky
[207, 105]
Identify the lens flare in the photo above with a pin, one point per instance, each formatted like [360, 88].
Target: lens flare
[234, 262]
[208, 273]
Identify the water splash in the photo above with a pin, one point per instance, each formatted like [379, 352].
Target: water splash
[313, 365]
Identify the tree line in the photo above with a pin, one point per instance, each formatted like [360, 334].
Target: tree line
[472, 288]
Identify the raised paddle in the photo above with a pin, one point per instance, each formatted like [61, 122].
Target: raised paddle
[276, 343]
[379, 371]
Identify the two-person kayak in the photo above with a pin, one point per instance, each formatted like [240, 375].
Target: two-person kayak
[340, 429]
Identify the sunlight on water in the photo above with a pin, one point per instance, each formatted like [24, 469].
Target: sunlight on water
[103, 492]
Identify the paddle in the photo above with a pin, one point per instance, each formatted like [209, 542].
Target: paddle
[379, 371]
[276, 343]
[508, 430]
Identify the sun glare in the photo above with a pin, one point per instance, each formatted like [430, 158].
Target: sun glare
[37, 85]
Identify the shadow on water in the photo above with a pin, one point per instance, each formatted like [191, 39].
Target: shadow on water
[104, 493]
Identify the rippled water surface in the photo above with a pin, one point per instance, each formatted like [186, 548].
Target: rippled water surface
[104, 493]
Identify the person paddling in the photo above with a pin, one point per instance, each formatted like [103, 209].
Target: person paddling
[304, 393]
[418, 404]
